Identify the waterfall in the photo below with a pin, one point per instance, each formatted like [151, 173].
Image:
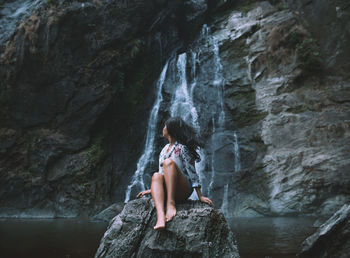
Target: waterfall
[182, 103]
[236, 152]
[137, 179]
[225, 204]
[219, 80]
[183, 82]
[12, 13]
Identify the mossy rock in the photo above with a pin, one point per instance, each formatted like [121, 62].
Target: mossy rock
[95, 151]
[250, 118]
[308, 54]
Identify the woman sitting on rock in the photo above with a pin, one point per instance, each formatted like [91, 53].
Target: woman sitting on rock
[176, 170]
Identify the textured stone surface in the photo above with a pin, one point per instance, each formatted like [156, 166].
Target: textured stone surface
[332, 239]
[108, 213]
[74, 84]
[291, 113]
[197, 230]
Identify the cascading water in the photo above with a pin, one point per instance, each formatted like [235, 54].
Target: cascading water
[225, 205]
[182, 103]
[237, 154]
[12, 13]
[137, 179]
[219, 81]
[182, 83]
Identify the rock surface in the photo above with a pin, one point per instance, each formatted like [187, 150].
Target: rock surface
[73, 78]
[197, 230]
[290, 111]
[332, 239]
[108, 213]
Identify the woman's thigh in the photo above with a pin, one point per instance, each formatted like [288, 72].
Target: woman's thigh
[182, 191]
[182, 188]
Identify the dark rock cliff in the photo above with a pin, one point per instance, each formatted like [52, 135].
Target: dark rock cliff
[75, 76]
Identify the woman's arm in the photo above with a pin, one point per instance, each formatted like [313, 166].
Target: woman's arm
[203, 198]
[143, 193]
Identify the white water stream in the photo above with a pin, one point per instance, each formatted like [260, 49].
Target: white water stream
[184, 84]
[137, 179]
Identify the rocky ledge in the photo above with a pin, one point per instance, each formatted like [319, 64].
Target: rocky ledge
[197, 230]
[332, 239]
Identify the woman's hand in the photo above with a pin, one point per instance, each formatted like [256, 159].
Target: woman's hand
[206, 200]
[143, 193]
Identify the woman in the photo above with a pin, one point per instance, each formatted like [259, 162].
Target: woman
[177, 174]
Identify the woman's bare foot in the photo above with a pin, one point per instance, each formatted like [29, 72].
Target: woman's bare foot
[160, 222]
[170, 211]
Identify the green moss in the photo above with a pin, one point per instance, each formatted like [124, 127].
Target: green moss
[294, 38]
[247, 114]
[33, 168]
[247, 6]
[282, 6]
[308, 55]
[297, 110]
[95, 151]
[250, 118]
[135, 96]
[135, 48]
[246, 97]
[307, 50]
[137, 81]
[25, 175]
[51, 2]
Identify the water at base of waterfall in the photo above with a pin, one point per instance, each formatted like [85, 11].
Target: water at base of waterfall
[278, 237]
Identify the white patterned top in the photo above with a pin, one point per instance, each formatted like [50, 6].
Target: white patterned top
[180, 154]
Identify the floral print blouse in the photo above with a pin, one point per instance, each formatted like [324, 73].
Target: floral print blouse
[180, 154]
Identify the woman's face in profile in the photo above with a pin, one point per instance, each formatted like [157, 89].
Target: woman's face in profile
[165, 131]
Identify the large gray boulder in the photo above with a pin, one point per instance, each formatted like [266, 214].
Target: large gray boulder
[332, 239]
[197, 230]
[108, 213]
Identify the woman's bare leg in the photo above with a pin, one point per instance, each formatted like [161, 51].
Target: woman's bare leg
[157, 191]
[176, 185]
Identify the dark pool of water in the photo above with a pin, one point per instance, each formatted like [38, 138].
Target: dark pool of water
[278, 237]
[73, 238]
[64, 238]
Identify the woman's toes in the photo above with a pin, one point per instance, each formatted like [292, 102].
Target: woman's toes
[159, 226]
[170, 212]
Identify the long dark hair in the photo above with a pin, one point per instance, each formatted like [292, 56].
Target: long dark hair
[184, 134]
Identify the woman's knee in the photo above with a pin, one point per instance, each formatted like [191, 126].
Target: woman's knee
[168, 163]
[157, 177]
